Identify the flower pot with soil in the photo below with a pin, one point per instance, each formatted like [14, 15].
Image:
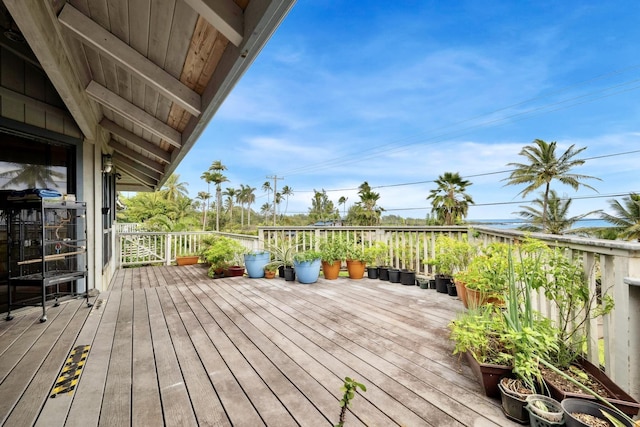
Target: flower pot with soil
[255, 262]
[513, 395]
[331, 270]
[581, 413]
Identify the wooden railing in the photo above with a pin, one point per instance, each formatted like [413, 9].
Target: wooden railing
[616, 263]
[148, 248]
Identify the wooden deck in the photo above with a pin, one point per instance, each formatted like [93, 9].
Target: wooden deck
[171, 346]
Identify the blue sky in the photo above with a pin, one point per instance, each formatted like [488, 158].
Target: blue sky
[398, 92]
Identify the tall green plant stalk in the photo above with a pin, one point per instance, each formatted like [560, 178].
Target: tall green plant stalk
[350, 388]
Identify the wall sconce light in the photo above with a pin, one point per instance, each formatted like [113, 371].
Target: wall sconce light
[107, 163]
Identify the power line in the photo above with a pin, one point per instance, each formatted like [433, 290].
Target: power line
[465, 176]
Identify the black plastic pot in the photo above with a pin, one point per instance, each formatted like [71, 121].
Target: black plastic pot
[289, 274]
[432, 283]
[383, 273]
[441, 283]
[407, 277]
[281, 271]
[451, 289]
[583, 406]
[514, 407]
[372, 272]
[423, 283]
[394, 275]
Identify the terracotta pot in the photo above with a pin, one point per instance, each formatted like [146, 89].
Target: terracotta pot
[269, 274]
[331, 271]
[461, 288]
[356, 269]
[187, 259]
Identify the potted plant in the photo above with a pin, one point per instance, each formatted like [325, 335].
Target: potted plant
[307, 266]
[356, 261]
[376, 256]
[452, 255]
[283, 252]
[187, 259]
[485, 276]
[219, 252]
[255, 261]
[333, 250]
[544, 411]
[477, 334]
[270, 270]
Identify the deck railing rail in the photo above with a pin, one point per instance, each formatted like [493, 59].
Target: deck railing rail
[612, 268]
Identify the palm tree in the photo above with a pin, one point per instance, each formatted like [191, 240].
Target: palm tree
[449, 201]
[343, 201]
[626, 216]
[265, 209]
[231, 194]
[214, 174]
[277, 200]
[32, 176]
[368, 212]
[557, 220]
[174, 190]
[204, 196]
[286, 192]
[250, 198]
[267, 187]
[543, 167]
[240, 198]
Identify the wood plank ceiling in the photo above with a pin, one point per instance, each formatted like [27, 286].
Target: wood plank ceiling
[143, 77]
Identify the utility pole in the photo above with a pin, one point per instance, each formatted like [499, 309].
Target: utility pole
[275, 190]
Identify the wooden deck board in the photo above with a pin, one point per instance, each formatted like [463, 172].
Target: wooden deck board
[18, 380]
[170, 346]
[146, 405]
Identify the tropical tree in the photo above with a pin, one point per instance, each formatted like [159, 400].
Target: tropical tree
[204, 196]
[231, 194]
[366, 211]
[214, 175]
[249, 199]
[450, 203]
[286, 192]
[277, 201]
[321, 207]
[173, 189]
[557, 222]
[266, 186]
[343, 201]
[265, 210]
[626, 216]
[544, 166]
[32, 176]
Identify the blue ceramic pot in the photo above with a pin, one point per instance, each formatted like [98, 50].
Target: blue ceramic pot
[307, 271]
[255, 262]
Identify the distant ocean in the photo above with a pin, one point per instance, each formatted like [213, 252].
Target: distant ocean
[515, 223]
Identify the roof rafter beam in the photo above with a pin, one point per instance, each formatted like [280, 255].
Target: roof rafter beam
[141, 173]
[137, 157]
[134, 139]
[225, 16]
[41, 29]
[114, 102]
[112, 47]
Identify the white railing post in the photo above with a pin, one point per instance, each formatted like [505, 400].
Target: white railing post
[167, 249]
